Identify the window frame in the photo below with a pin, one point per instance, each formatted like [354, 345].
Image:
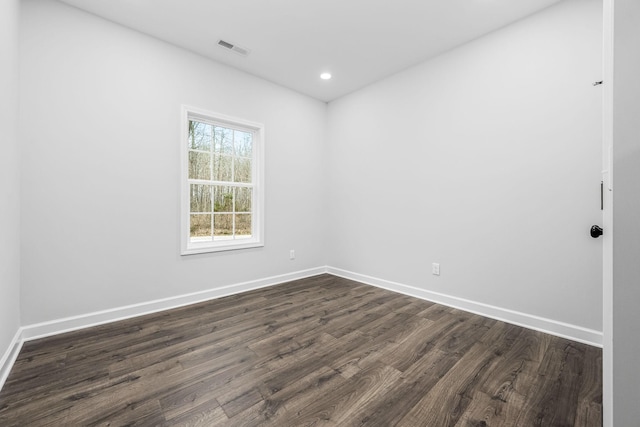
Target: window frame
[257, 177]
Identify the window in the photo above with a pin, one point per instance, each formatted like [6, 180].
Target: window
[222, 194]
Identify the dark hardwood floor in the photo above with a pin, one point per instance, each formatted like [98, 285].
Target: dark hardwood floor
[322, 351]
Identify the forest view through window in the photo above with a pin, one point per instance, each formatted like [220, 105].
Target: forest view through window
[222, 184]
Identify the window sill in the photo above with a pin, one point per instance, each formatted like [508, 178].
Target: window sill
[194, 249]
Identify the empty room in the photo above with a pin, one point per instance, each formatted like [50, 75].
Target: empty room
[340, 213]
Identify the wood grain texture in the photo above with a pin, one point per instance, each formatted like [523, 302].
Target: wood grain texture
[322, 351]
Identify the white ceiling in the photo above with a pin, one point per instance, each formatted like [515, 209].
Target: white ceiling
[292, 41]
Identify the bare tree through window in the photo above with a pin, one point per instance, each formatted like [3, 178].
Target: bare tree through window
[220, 181]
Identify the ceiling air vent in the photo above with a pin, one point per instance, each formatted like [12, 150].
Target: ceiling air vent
[234, 48]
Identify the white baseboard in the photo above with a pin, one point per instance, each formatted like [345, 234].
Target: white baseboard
[53, 327]
[10, 356]
[548, 326]
[44, 329]
[58, 326]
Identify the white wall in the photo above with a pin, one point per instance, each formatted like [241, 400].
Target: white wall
[490, 141]
[9, 176]
[451, 161]
[625, 294]
[487, 160]
[100, 117]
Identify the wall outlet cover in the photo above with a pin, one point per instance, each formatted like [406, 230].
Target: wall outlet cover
[435, 269]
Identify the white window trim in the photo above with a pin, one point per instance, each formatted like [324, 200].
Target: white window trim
[257, 239]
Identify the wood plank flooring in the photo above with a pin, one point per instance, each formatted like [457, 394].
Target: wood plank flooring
[322, 351]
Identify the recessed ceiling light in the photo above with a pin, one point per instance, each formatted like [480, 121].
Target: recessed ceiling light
[325, 76]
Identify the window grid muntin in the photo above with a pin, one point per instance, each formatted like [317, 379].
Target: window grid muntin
[256, 159]
[235, 184]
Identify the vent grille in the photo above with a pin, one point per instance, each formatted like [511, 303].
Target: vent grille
[234, 48]
[225, 44]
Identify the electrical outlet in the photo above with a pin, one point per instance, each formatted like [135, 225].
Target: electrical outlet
[292, 254]
[435, 269]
